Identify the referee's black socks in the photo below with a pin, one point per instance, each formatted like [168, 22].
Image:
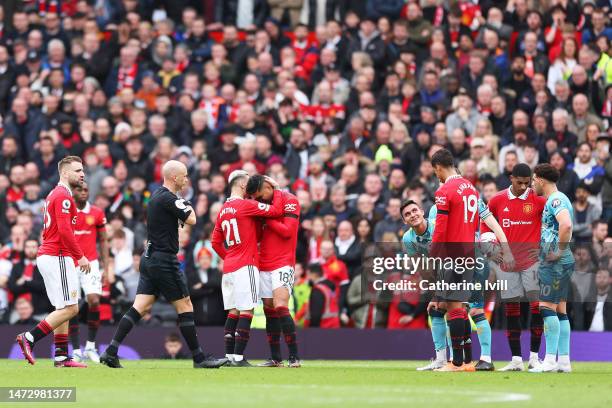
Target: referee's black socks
[188, 330]
[127, 322]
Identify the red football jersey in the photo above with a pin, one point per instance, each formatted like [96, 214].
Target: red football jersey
[235, 236]
[457, 219]
[59, 219]
[89, 221]
[521, 220]
[279, 240]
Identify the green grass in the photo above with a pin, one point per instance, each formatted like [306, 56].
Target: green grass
[169, 384]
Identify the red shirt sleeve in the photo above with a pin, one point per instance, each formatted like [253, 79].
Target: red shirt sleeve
[442, 205]
[65, 210]
[257, 209]
[100, 219]
[217, 240]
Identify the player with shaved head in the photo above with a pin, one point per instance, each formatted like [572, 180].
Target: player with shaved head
[159, 267]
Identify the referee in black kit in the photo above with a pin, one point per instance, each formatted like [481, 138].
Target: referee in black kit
[159, 268]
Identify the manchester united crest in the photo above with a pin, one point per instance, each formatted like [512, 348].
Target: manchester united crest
[90, 220]
[527, 208]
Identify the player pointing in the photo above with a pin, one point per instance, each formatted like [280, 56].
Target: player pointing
[235, 240]
[56, 262]
[159, 268]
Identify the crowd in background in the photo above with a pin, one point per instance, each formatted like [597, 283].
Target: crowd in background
[342, 102]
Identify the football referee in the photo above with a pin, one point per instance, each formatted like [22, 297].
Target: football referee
[159, 268]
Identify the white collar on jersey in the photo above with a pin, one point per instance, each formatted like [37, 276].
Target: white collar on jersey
[454, 176]
[232, 198]
[523, 196]
[66, 187]
[85, 209]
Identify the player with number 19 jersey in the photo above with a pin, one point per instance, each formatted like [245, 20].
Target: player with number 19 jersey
[457, 219]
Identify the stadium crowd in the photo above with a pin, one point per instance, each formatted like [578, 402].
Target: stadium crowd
[342, 102]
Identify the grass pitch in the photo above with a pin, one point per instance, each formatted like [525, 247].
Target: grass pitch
[168, 384]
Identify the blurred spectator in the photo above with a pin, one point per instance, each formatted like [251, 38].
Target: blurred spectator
[205, 290]
[323, 302]
[173, 348]
[585, 214]
[24, 312]
[601, 319]
[27, 283]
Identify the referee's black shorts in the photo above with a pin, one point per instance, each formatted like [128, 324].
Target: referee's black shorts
[160, 274]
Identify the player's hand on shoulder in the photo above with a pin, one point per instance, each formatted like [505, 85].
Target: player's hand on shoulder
[84, 264]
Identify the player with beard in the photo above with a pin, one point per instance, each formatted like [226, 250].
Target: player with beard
[56, 262]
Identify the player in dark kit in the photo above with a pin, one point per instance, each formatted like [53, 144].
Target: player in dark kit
[276, 270]
[457, 222]
[159, 268]
[235, 240]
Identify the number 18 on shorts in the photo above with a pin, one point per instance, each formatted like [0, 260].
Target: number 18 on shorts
[270, 281]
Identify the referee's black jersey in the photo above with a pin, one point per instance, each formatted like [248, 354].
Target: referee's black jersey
[164, 211]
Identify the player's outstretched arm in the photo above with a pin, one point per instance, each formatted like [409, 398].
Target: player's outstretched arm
[256, 209]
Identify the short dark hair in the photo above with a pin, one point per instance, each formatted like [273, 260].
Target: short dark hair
[443, 158]
[254, 184]
[406, 204]
[315, 268]
[547, 172]
[521, 170]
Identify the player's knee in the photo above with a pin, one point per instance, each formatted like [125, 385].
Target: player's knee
[184, 305]
[71, 310]
[280, 302]
[93, 300]
[268, 302]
